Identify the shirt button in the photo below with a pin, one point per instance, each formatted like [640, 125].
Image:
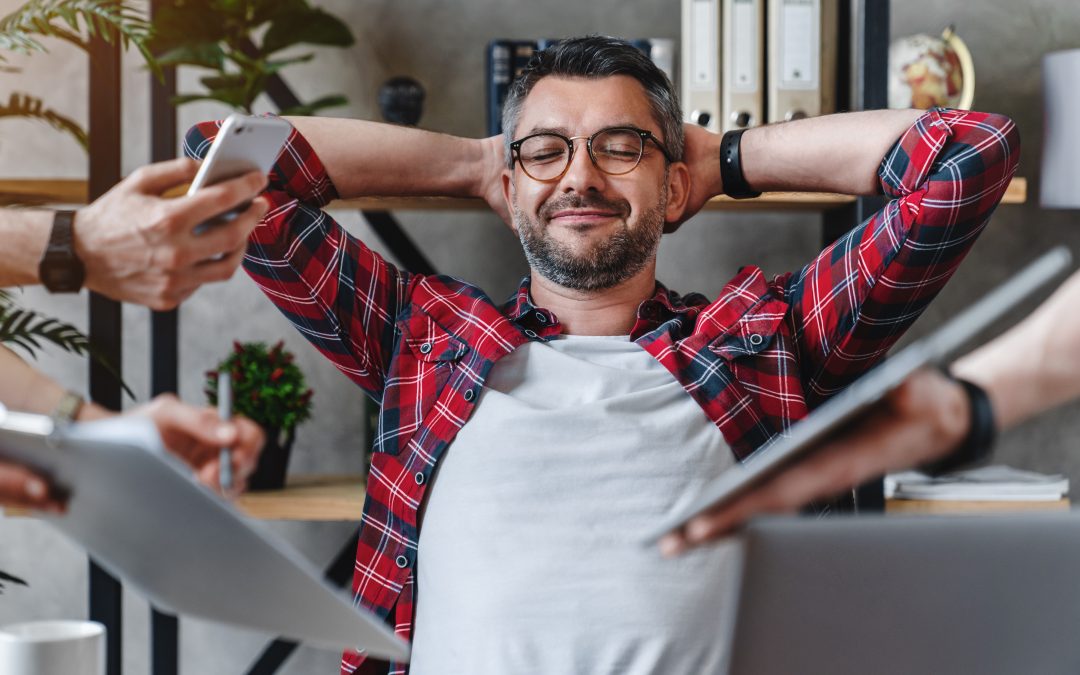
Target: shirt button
[756, 339]
[419, 477]
[425, 348]
[541, 318]
[469, 394]
[402, 561]
[530, 333]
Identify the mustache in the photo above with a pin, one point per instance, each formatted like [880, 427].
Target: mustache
[583, 201]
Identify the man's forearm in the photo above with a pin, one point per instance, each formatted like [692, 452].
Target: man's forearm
[834, 153]
[1035, 366]
[25, 234]
[369, 158]
[26, 389]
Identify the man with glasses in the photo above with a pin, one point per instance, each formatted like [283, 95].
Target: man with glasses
[566, 421]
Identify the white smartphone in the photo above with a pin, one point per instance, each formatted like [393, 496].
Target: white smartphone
[243, 144]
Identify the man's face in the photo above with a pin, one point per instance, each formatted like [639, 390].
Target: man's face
[589, 230]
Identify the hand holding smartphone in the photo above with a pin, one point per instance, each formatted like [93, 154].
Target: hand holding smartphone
[242, 145]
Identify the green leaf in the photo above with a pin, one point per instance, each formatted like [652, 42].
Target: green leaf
[305, 109]
[81, 19]
[184, 23]
[227, 81]
[314, 27]
[29, 107]
[206, 55]
[230, 98]
[272, 67]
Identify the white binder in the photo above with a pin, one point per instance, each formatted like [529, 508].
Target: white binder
[743, 77]
[701, 73]
[801, 59]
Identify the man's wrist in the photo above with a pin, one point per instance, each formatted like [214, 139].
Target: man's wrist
[60, 269]
[733, 180]
[973, 441]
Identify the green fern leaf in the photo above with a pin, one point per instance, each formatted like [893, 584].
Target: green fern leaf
[29, 107]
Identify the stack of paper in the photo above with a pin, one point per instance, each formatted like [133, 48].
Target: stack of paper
[990, 483]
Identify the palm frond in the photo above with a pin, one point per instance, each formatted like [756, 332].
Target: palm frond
[27, 330]
[75, 21]
[30, 107]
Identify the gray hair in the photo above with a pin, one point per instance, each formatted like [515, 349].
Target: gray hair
[597, 56]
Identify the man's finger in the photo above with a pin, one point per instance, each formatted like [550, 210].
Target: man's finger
[198, 424]
[210, 271]
[227, 236]
[213, 200]
[19, 486]
[154, 179]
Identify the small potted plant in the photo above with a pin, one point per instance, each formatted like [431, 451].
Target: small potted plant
[269, 389]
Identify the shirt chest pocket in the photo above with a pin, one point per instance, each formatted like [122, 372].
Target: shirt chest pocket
[757, 330]
[425, 359]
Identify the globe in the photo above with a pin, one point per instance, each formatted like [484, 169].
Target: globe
[927, 71]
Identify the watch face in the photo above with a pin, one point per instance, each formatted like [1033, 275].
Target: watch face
[62, 276]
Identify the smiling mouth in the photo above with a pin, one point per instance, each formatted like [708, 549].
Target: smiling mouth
[582, 216]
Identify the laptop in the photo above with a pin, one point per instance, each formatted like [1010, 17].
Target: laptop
[141, 515]
[806, 436]
[994, 595]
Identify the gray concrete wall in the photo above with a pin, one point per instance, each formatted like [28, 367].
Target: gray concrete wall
[441, 44]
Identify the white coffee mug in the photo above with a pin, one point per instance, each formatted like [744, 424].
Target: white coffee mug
[52, 648]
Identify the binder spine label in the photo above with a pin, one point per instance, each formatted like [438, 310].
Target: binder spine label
[800, 26]
[744, 35]
[704, 23]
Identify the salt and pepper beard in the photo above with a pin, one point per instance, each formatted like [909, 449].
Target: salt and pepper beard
[604, 264]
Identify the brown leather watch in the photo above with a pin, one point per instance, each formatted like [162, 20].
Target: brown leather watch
[60, 269]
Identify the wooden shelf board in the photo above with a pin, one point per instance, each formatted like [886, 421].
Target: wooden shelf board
[308, 497]
[73, 191]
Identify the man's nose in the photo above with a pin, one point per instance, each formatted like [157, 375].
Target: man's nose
[582, 175]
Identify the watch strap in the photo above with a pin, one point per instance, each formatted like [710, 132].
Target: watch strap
[731, 172]
[67, 409]
[979, 440]
[60, 269]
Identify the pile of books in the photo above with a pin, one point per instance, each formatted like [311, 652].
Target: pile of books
[989, 488]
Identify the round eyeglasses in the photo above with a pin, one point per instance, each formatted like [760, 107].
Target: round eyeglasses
[546, 156]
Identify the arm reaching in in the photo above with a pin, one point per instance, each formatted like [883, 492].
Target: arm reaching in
[924, 419]
[139, 246]
[194, 434]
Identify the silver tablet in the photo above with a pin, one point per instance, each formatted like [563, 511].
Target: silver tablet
[140, 513]
[806, 435]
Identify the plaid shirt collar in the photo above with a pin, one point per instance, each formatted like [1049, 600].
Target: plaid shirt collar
[664, 305]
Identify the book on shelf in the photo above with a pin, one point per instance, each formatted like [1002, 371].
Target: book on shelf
[507, 59]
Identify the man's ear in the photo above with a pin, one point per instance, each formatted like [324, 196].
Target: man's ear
[509, 194]
[678, 185]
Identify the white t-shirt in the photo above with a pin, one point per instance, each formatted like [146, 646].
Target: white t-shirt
[529, 558]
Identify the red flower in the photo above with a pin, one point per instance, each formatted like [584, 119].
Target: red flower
[276, 375]
[237, 347]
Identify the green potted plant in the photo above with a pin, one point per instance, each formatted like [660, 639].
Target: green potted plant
[269, 389]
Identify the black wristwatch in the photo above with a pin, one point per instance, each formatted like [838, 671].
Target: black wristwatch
[60, 270]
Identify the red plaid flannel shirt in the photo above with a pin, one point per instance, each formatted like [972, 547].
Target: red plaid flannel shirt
[756, 359]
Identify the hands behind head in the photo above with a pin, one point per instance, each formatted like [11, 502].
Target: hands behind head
[922, 420]
[140, 247]
[195, 434]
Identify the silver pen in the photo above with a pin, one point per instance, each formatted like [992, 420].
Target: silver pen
[224, 407]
